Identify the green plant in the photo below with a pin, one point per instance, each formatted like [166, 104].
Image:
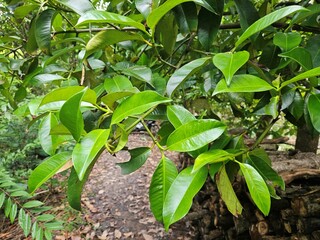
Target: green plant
[117, 67]
[32, 215]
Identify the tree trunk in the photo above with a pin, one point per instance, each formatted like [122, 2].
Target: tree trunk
[307, 141]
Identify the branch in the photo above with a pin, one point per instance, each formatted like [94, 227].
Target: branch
[87, 30]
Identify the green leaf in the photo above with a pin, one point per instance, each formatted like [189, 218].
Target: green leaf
[75, 187]
[96, 16]
[141, 73]
[227, 192]
[178, 200]
[243, 83]
[178, 115]
[13, 212]
[208, 26]
[45, 217]
[48, 234]
[47, 169]
[313, 108]
[271, 108]
[138, 157]
[267, 21]
[301, 56]
[182, 74]
[36, 231]
[117, 84]
[53, 226]
[137, 104]
[31, 45]
[49, 143]
[2, 199]
[24, 222]
[212, 156]
[266, 171]
[229, 63]
[308, 74]
[287, 41]
[109, 37]
[257, 187]
[64, 93]
[43, 29]
[22, 11]
[248, 14]
[32, 204]
[194, 135]
[186, 17]
[87, 150]
[70, 115]
[7, 207]
[20, 193]
[78, 6]
[113, 97]
[162, 178]
[313, 48]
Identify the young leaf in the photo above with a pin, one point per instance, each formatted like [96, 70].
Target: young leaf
[178, 115]
[96, 16]
[24, 222]
[229, 63]
[257, 187]
[70, 115]
[178, 200]
[313, 108]
[227, 193]
[194, 135]
[78, 6]
[287, 41]
[267, 21]
[162, 178]
[137, 104]
[43, 29]
[212, 156]
[109, 37]
[47, 169]
[243, 83]
[87, 150]
[182, 74]
[138, 157]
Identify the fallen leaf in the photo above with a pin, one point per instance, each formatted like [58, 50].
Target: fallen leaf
[147, 237]
[104, 235]
[117, 234]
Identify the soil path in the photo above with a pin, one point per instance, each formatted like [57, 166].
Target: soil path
[118, 204]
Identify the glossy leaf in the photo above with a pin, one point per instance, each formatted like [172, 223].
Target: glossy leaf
[141, 73]
[78, 6]
[212, 156]
[49, 143]
[70, 115]
[227, 192]
[146, 6]
[113, 97]
[31, 45]
[257, 187]
[313, 48]
[178, 115]
[96, 16]
[313, 108]
[302, 76]
[64, 93]
[24, 222]
[117, 84]
[47, 169]
[287, 41]
[178, 200]
[243, 83]
[267, 20]
[248, 14]
[229, 63]
[87, 150]
[194, 135]
[110, 37]
[138, 157]
[137, 104]
[162, 178]
[43, 29]
[301, 56]
[182, 74]
[208, 25]
[186, 17]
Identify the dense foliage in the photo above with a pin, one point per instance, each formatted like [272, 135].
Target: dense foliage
[114, 64]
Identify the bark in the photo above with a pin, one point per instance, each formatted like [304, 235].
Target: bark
[307, 141]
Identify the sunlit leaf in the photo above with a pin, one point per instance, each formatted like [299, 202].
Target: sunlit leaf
[24, 222]
[79, 6]
[313, 108]
[178, 115]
